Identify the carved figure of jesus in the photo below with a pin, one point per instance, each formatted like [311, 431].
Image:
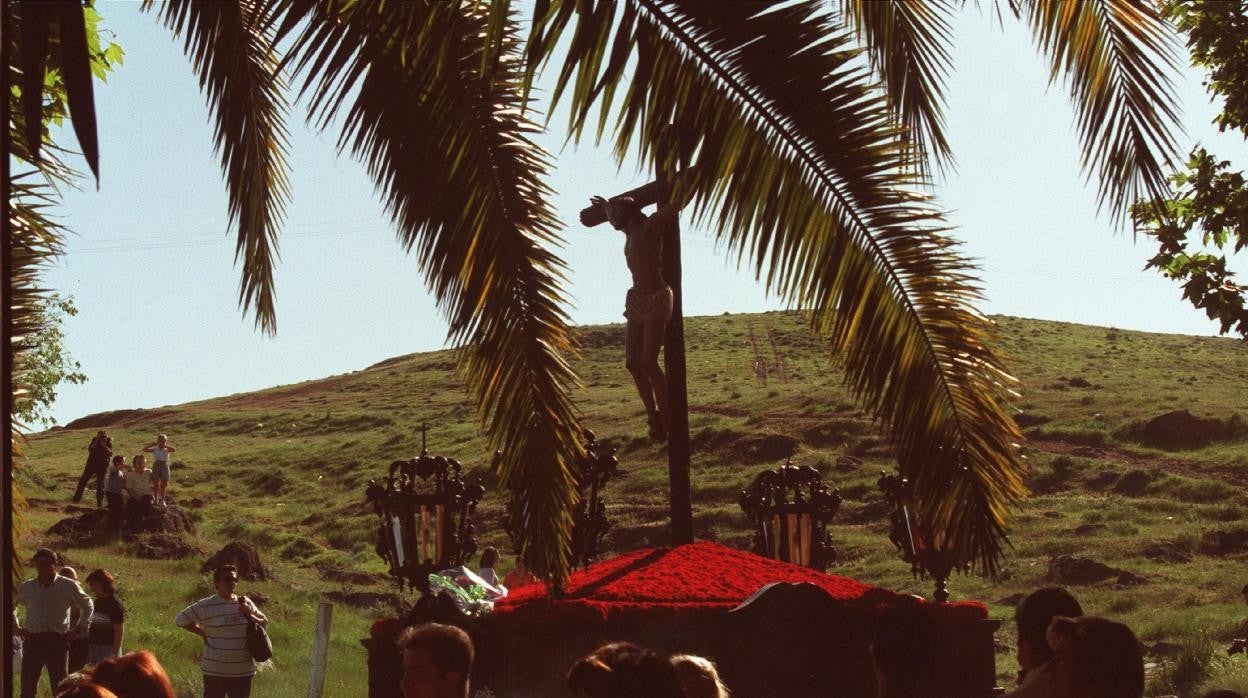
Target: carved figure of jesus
[648, 306]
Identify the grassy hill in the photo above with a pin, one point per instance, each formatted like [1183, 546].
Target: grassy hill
[285, 469]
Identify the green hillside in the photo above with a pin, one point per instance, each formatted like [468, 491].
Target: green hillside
[285, 469]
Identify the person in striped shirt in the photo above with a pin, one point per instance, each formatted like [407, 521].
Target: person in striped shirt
[221, 620]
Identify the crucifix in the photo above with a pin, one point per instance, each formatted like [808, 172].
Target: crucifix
[655, 319]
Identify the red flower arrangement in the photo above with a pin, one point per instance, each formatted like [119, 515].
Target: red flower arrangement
[696, 578]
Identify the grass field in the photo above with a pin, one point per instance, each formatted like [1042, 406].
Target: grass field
[285, 469]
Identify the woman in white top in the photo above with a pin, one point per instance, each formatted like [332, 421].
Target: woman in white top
[160, 451]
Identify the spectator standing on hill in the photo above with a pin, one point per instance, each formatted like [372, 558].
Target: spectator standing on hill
[437, 660]
[160, 450]
[138, 485]
[115, 490]
[79, 645]
[46, 632]
[1035, 657]
[221, 620]
[99, 451]
[108, 619]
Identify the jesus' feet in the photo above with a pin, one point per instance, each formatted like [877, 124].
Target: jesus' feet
[658, 428]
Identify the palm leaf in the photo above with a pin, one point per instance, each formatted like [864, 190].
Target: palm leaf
[907, 42]
[231, 48]
[441, 132]
[1118, 57]
[788, 147]
[36, 242]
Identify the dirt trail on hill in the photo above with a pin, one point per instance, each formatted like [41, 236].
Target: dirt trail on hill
[1226, 472]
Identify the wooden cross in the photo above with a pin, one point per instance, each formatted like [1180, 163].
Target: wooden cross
[673, 362]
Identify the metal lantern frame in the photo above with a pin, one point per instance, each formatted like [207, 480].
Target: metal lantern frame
[425, 511]
[791, 508]
[915, 542]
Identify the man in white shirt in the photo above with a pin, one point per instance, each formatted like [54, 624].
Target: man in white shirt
[46, 633]
[221, 620]
[1035, 656]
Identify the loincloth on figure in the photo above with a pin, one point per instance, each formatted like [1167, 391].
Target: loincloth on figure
[652, 306]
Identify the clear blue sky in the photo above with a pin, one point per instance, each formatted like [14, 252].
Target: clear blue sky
[151, 265]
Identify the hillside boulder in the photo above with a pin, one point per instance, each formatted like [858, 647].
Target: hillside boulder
[1181, 429]
[163, 546]
[1068, 569]
[171, 521]
[244, 556]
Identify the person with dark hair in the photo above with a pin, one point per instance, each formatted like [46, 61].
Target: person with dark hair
[222, 620]
[108, 620]
[1032, 618]
[902, 649]
[624, 670]
[648, 306]
[115, 490]
[134, 675]
[489, 560]
[1095, 658]
[99, 452]
[1221, 693]
[46, 633]
[520, 576]
[437, 660]
[79, 646]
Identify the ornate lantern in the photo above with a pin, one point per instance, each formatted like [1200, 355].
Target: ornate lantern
[791, 508]
[424, 511]
[916, 544]
[595, 467]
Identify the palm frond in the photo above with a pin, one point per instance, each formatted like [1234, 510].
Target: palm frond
[36, 242]
[1118, 57]
[786, 145]
[231, 48]
[907, 43]
[441, 132]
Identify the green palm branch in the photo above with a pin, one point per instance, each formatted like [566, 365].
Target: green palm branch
[436, 119]
[36, 242]
[231, 49]
[1118, 57]
[908, 44]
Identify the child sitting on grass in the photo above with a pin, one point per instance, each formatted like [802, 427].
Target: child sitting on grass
[139, 490]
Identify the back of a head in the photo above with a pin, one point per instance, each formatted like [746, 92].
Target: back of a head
[903, 647]
[134, 675]
[85, 690]
[1104, 657]
[1035, 613]
[624, 670]
[699, 677]
[449, 647]
[1221, 693]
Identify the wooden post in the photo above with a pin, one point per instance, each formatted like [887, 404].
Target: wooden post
[320, 649]
[674, 364]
